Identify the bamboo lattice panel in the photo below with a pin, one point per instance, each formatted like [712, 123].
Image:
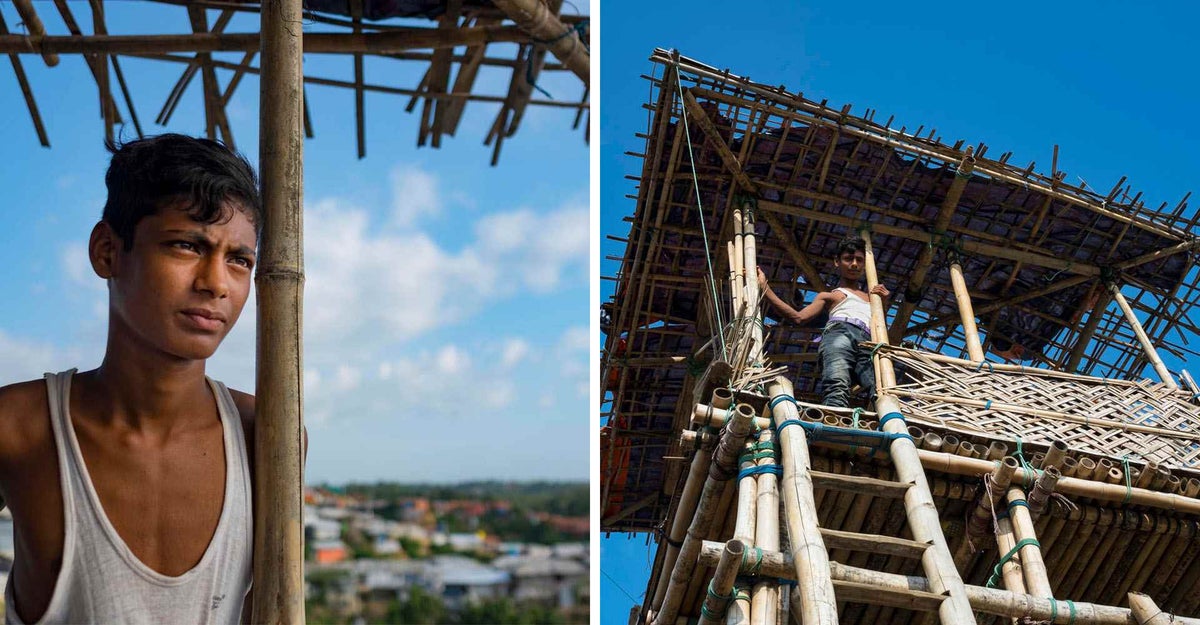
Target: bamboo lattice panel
[933, 392]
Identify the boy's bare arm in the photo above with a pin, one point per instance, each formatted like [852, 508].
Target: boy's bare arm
[803, 316]
[20, 404]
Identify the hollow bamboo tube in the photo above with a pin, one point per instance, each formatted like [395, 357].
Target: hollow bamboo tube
[965, 312]
[278, 524]
[1147, 346]
[1087, 468]
[722, 583]
[814, 591]
[1145, 612]
[1054, 457]
[1191, 487]
[1148, 556]
[739, 259]
[1033, 568]
[684, 512]
[723, 462]
[997, 450]
[1069, 466]
[764, 597]
[1043, 487]
[979, 523]
[957, 465]
[923, 519]
[932, 441]
[747, 512]
[985, 600]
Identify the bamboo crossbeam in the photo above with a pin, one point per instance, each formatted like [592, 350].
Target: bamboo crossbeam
[383, 42]
[1151, 353]
[724, 459]
[1145, 612]
[536, 19]
[278, 523]
[921, 270]
[985, 600]
[814, 592]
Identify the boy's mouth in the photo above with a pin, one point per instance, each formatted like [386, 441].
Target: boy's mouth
[204, 319]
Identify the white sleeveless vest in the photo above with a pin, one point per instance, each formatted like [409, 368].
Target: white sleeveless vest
[852, 306]
[102, 581]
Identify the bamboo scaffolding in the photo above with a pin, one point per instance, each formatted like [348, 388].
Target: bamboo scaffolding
[535, 18]
[1033, 568]
[941, 223]
[278, 524]
[814, 592]
[32, 22]
[1151, 353]
[722, 583]
[985, 600]
[764, 597]
[724, 458]
[964, 310]
[1145, 612]
[684, 512]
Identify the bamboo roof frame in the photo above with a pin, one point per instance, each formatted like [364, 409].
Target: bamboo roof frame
[462, 40]
[654, 349]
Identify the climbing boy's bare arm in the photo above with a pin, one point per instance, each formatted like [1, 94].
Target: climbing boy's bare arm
[803, 316]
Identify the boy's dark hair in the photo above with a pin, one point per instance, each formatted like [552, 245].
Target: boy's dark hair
[147, 174]
[851, 245]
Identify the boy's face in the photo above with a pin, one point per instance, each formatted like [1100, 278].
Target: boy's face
[183, 285]
[850, 265]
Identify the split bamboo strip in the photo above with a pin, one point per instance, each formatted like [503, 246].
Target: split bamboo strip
[1148, 556]
[723, 398]
[814, 594]
[764, 602]
[33, 23]
[278, 523]
[963, 297]
[986, 600]
[720, 589]
[734, 293]
[1145, 612]
[723, 462]
[1151, 353]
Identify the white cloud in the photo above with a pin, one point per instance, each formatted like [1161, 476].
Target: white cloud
[452, 360]
[575, 339]
[347, 378]
[24, 360]
[515, 350]
[538, 247]
[414, 194]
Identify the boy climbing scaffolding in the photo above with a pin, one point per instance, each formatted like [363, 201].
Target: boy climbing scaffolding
[849, 311]
[130, 485]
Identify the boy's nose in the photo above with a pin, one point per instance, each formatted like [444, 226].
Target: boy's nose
[213, 278]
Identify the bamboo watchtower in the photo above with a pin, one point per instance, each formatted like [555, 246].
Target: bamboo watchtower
[355, 28]
[1015, 465]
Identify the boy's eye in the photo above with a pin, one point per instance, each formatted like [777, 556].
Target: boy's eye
[244, 262]
[185, 245]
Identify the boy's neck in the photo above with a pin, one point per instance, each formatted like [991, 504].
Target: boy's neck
[149, 391]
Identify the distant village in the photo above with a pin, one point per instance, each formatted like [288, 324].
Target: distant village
[418, 559]
[372, 560]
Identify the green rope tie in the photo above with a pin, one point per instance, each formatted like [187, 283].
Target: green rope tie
[740, 595]
[1054, 610]
[755, 568]
[997, 575]
[1031, 474]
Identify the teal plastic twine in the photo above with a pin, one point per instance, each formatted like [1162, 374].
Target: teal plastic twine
[1054, 610]
[997, 575]
[755, 568]
[712, 281]
[724, 599]
[1128, 481]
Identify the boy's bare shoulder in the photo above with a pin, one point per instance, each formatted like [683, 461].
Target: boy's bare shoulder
[245, 406]
[23, 422]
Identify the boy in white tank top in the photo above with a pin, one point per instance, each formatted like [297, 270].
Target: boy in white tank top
[849, 311]
[130, 485]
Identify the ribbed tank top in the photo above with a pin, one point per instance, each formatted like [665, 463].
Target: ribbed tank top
[852, 306]
[102, 581]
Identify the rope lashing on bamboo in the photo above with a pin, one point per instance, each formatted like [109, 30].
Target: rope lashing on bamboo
[1054, 610]
[724, 599]
[1031, 473]
[756, 568]
[712, 281]
[577, 28]
[837, 435]
[773, 469]
[996, 574]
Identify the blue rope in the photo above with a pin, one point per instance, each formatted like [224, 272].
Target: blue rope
[578, 28]
[821, 433]
[781, 398]
[888, 417]
[772, 469]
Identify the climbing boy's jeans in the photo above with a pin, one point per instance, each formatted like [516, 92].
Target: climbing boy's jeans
[841, 357]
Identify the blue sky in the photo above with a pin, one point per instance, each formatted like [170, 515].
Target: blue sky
[446, 300]
[1113, 87]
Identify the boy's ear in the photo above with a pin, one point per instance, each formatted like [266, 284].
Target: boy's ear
[103, 249]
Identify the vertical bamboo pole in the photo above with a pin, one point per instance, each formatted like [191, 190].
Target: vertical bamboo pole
[1151, 353]
[765, 594]
[1033, 567]
[714, 607]
[750, 265]
[918, 501]
[721, 398]
[814, 592]
[963, 297]
[278, 527]
[980, 521]
[723, 465]
[743, 530]
[739, 257]
[1089, 329]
